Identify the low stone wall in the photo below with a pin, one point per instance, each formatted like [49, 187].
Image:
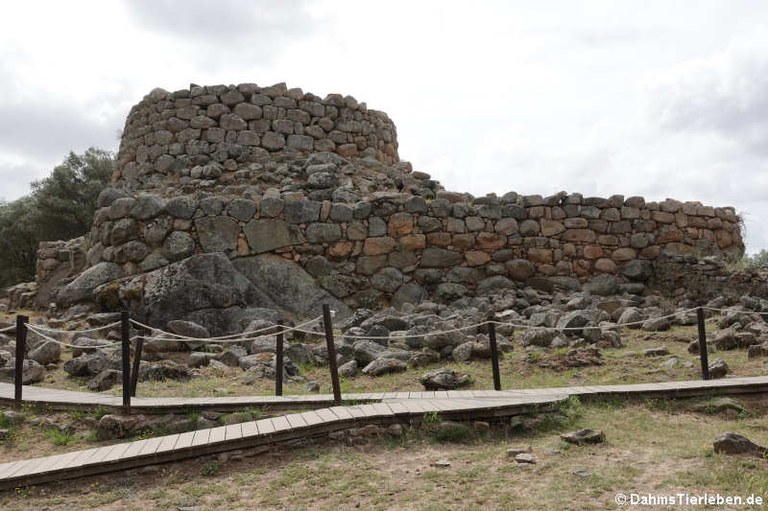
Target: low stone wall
[57, 261]
[214, 131]
[399, 247]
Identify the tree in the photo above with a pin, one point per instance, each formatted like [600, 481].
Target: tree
[61, 207]
[18, 242]
[66, 200]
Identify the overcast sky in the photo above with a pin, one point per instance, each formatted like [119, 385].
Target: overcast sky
[653, 98]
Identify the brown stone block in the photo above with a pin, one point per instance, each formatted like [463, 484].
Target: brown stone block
[563, 268]
[540, 255]
[575, 223]
[488, 241]
[379, 246]
[582, 268]
[628, 213]
[463, 241]
[368, 265]
[546, 270]
[714, 224]
[723, 238]
[645, 226]
[624, 254]
[611, 215]
[476, 257]
[506, 226]
[569, 249]
[551, 227]
[663, 217]
[413, 242]
[605, 265]
[697, 221]
[579, 236]
[438, 239]
[669, 234]
[341, 249]
[651, 252]
[593, 252]
[400, 224]
[681, 219]
[608, 240]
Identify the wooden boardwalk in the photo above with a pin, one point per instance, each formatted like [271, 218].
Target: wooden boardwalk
[376, 408]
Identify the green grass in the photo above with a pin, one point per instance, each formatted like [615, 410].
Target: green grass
[58, 436]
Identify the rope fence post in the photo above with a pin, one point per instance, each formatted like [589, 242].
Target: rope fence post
[494, 352]
[279, 359]
[703, 356]
[331, 354]
[21, 351]
[137, 362]
[125, 338]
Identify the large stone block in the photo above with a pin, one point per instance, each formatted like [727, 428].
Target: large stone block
[217, 233]
[265, 235]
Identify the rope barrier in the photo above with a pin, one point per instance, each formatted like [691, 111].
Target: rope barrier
[7, 329]
[232, 338]
[162, 335]
[88, 330]
[34, 329]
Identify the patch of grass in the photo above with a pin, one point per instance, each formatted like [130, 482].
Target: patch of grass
[210, 469]
[58, 436]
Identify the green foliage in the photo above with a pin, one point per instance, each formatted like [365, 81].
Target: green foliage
[58, 436]
[210, 469]
[66, 200]
[60, 207]
[18, 241]
[759, 260]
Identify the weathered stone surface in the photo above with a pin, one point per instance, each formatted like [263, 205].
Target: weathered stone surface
[287, 285]
[439, 258]
[217, 233]
[105, 380]
[584, 436]
[385, 365]
[31, 372]
[82, 287]
[265, 235]
[734, 443]
[47, 353]
[444, 379]
[178, 245]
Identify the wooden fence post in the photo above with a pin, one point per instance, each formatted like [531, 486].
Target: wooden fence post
[279, 359]
[494, 352]
[703, 357]
[21, 351]
[125, 337]
[331, 353]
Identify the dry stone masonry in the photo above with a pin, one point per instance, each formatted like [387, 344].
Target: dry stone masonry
[268, 174]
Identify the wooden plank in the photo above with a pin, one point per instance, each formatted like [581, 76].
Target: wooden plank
[233, 432]
[281, 423]
[217, 435]
[296, 420]
[151, 446]
[184, 440]
[167, 443]
[134, 449]
[8, 467]
[201, 437]
[266, 426]
[249, 429]
[21, 465]
[326, 415]
[312, 418]
[341, 412]
[117, 453]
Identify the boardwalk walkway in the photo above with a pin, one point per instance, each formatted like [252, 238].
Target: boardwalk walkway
[377, 408]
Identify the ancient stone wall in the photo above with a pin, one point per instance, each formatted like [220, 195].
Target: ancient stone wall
[247, 170]
[212, 132]
[396, 247]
